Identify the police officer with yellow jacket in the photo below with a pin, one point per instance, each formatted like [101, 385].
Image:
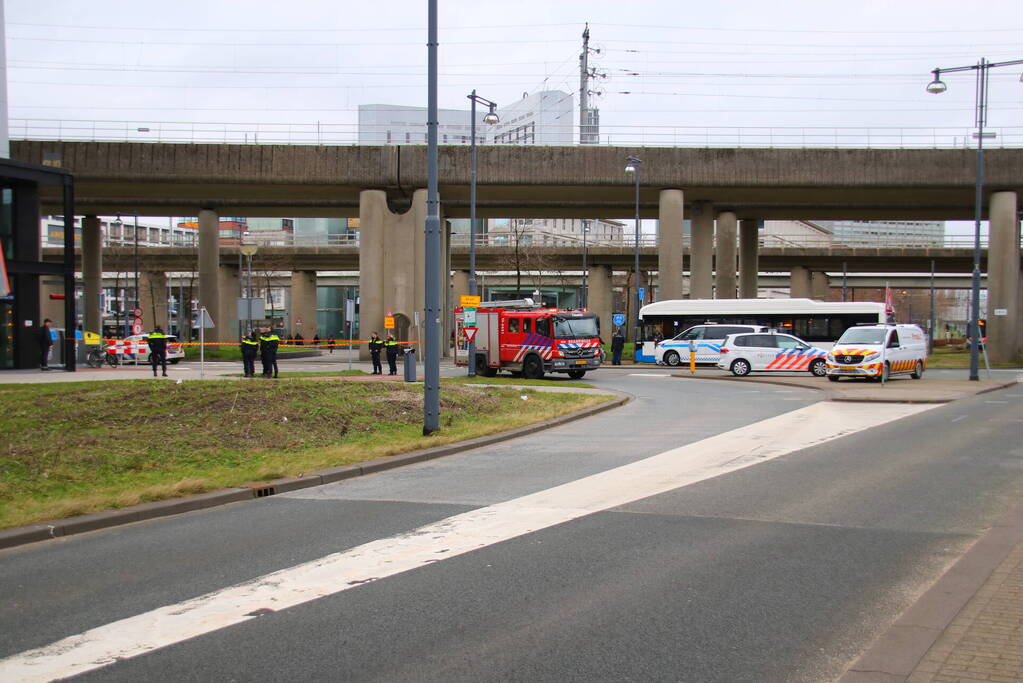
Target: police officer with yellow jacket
[249, 347]
[157, 342]
[268, 343]
[376, 345]
[392, 348]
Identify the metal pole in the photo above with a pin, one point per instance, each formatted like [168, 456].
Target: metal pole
[70, 311]
[472, 228]
[138, 299]
[431, 361]
[586, 271]
[933, 322]
[845, 280]
[639, 298]
[981, 103]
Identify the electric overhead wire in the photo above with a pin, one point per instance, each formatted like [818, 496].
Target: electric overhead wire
[658, 76]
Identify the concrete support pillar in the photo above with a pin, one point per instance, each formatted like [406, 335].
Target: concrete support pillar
[724, 262]
[799, 283]
[391, 264]
[226, 314]
[749, 268]
[1003, 283]
[701, 283]
[92, 274]
[819, 285]
[209, 269]
[303, 304]
[153, 300]
[669, 245]
[601, 299]
[459, 285]
[51, 308]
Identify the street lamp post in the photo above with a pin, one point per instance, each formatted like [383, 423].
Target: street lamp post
[937, 87]
[632, 166]
[138, 297]
[490, 118]
[432, 242]
[586, 269]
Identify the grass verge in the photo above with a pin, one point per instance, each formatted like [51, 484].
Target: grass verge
[950, 357]
[76, 448]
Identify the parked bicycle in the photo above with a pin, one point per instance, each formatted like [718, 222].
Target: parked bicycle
[98, 356]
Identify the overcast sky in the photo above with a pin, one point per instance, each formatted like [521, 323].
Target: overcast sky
[736, 67]
[739, 64]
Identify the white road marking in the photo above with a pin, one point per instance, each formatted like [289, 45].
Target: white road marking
[647, 374]
[956, 419]
[673, 469]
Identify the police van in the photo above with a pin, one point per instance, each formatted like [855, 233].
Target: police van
[879, 352]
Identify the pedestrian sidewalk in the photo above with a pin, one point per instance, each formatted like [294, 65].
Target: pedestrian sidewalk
[985, 640]
[968, 627]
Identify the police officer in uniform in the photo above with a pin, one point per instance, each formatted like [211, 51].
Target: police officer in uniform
[617, 346]
[249, 347]
[268, 343]
[157, 342]
[376, 345]
[392, 354]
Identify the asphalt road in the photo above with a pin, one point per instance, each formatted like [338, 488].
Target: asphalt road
[781, 571]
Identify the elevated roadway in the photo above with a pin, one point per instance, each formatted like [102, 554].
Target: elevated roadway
[771, 259]
[522, 181]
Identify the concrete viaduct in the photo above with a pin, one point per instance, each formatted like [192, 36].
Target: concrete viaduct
[723, 191]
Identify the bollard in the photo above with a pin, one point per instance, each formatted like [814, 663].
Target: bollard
[410, 365]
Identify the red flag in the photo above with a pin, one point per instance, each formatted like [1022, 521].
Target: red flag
[889, 307]
[5, 283]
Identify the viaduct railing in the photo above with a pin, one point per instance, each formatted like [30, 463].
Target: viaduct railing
[318, 133]
[526, 240]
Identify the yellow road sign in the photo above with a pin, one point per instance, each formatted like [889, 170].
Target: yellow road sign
[468, 300]
[389, 322]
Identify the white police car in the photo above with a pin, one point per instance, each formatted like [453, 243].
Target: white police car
[771, 352]
[706, 340]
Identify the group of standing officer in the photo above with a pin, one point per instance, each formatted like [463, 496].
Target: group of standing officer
[391, 347]
[264, 341]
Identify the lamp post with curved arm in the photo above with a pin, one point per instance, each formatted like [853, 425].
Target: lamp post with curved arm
[632, 166]
[490, 118]
[936, 87]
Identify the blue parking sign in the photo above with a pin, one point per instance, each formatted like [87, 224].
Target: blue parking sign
[618, 318]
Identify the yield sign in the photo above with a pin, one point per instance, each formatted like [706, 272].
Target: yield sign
[469, 332]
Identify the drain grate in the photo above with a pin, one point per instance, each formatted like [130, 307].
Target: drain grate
[265, 491]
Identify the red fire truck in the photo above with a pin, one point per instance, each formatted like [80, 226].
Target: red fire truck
[525, 338]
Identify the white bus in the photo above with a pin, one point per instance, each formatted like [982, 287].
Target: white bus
[813, 321]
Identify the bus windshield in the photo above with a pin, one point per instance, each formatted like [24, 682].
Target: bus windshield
[575, 328]
[869, 335]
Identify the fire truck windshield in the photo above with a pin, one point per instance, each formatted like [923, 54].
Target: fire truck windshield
[575, 328]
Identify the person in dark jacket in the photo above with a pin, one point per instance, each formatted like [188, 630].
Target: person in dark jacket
[617, 346]
[45, 339]
[376, 345]
[392, 348]
[157, 342]
[249, 347]
[268, 343]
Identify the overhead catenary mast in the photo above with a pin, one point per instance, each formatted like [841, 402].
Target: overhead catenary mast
[589, 119]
